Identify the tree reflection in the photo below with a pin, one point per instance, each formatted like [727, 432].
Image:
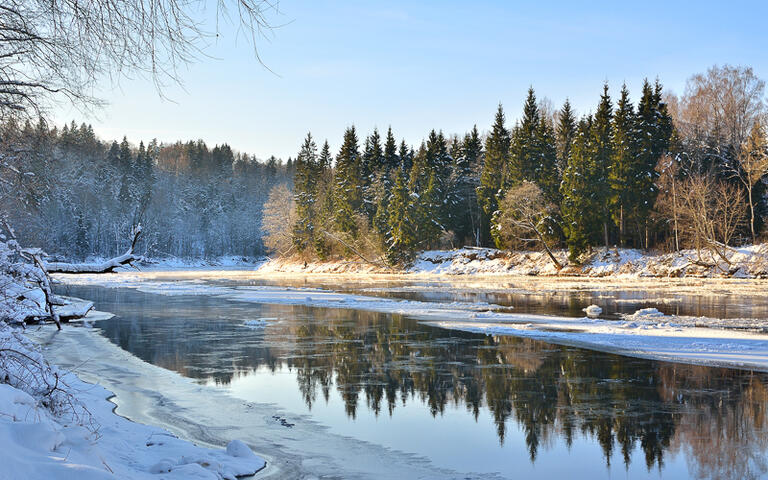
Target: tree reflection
[630, 407]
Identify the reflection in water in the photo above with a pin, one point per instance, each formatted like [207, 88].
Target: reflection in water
[715, 417]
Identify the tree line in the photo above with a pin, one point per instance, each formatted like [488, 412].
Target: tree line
[81, 196]
[667, 172]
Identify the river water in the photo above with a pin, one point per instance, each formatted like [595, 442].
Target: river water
[347, 393]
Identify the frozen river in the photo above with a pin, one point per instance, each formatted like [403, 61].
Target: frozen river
[329, 386]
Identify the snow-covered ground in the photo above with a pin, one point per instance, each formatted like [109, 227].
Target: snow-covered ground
[744, 262]
[737, 343]
[55, 426]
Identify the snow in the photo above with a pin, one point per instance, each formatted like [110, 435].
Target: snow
[745, 262]
[53, 425]
[592, 310]
[258, 322]
[736, 343]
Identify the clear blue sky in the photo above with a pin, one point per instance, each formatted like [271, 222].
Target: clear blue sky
[430, 64]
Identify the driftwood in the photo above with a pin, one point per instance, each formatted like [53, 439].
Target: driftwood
[104, 267]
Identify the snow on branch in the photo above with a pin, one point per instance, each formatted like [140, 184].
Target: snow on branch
[104, 267]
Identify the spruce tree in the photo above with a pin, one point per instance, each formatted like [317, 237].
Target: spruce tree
[324, 203]
[565, 133]
[405, 155]
[548, 176]
[391, 159]
[623, 167]
[492, 174]
[654, 130]
[305, 195]
[401, 239]
[469, 179]
[348, 195]
[580, 207]
[373, 174]
[525, 148]
[602, 128]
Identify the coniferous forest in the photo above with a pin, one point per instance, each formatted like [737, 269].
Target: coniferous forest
[655, 172]
[647, 170]
[83, 195]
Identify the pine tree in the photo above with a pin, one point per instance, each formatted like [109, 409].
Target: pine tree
[391, 159]
[492, 174]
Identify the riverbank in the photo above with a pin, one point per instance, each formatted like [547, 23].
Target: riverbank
[744, 262]
[54, 425]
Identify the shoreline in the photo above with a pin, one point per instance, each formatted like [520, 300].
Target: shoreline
[75, 427]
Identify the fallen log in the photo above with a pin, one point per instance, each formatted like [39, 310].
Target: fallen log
[104, 267]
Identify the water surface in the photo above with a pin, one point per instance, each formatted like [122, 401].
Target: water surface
[466, 402]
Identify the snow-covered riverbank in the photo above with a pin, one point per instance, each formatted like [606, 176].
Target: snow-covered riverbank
[55, 426]
[745, 262]
[712, 341]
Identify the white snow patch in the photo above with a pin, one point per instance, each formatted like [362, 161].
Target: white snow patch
[70, 431]
[592, 310]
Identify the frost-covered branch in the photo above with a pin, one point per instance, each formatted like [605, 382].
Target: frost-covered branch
[128, 258]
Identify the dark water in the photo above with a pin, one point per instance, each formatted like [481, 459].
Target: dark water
[472, 402]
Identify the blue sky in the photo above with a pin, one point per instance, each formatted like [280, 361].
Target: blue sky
[422, 65]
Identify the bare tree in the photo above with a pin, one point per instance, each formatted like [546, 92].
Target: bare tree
[667, 201]
[278, 220]
[751, 166]
[58, 49]
[718, 109]
[524, 218]
[711, 213]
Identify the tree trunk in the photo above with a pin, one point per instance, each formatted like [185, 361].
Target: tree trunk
[105, 267]
[752, 216]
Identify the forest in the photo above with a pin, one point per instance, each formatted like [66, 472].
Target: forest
[664, 173]
[82, 196]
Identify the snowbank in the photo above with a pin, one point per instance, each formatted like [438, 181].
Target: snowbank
[54, 426]
[744, 262]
